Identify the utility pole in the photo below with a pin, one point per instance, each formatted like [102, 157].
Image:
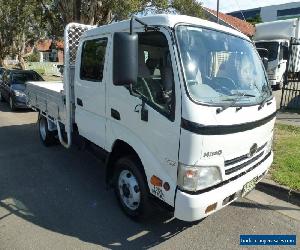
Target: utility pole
[217, 11]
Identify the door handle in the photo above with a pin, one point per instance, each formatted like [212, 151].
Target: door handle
[79, 102]
[115, 114]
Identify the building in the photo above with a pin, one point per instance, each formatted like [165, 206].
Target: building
[50, 51]
[230, 21]
[271, 13]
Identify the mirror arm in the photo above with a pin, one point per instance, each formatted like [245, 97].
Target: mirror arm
[134, 18]
[132, 92]
[147, 28]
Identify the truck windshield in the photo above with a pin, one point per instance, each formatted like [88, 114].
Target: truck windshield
[272, 48]
[220, 68]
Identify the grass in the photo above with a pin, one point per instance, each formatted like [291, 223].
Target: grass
[52, 78]
[286, 166]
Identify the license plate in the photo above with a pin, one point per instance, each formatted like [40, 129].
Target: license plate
[249, 186]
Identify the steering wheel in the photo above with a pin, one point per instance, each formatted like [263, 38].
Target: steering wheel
[224, 84]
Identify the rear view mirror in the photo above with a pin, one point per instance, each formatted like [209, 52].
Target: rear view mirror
[125, 58]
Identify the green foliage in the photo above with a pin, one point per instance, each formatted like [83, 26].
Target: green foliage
[25, 21]
[22, 23]
[188, 7]
[34, 57]
[59, 13]
[254, 20]
[41, 71]
[286, 166]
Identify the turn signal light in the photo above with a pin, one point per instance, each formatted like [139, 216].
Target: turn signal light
[210, 208]
[155, 181]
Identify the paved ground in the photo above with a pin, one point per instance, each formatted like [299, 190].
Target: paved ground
[52, 198]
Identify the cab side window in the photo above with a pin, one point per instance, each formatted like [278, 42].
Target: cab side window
[93, 59]
[155, 75]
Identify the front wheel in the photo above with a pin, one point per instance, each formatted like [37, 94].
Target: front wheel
[47, 137]
[12, 104]
[131, 188]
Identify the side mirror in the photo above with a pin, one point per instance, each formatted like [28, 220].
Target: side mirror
[265, 62]
[125, 59]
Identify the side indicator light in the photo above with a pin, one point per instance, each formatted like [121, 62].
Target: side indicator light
[155, 181]
[210, 208]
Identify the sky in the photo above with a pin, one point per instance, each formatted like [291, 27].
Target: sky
[233, 5]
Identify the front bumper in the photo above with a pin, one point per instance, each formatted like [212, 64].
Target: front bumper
[20, 102]
[192, 207]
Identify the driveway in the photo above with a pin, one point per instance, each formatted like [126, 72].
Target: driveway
[53, 198]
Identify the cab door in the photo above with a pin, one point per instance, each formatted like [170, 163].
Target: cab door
[149, 116]
[90, 88]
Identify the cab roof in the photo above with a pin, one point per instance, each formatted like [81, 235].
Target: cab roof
[162, 20]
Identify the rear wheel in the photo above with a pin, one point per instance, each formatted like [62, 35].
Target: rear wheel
[1, 97]
[131, 188]
[47, 137]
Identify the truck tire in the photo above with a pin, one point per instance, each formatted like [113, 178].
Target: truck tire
[1, 97]
[12, 104]
[131, 188]
[47, 137]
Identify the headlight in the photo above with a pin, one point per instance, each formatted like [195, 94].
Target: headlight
[193, 178]
[19, 93]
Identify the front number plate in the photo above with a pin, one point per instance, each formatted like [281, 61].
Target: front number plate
[249, 186]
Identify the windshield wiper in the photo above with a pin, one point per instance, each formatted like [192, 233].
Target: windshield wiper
[240, 96]
[265, 99]
[263, 102]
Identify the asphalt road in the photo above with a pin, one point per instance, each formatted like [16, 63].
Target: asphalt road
[53, 198]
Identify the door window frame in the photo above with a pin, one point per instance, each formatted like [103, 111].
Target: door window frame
[169, 115]
[80, 53]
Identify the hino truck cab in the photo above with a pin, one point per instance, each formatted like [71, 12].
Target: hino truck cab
[181, 107]
[276, 37]
[277, 59]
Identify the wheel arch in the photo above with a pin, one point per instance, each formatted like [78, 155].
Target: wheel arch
[120, 148]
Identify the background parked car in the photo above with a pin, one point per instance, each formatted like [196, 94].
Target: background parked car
[12, 86]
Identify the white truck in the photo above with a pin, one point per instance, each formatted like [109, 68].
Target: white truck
[180, 107]
[275, 37]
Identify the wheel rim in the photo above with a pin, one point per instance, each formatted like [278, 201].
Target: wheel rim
[43, 131]
[129, 190]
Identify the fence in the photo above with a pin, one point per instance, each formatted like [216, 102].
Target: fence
[290, 98]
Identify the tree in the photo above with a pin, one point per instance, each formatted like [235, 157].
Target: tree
[189, 7]
[6, 37]
[254, 20]
[99, 12]
[25, 21]
[22, 26]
